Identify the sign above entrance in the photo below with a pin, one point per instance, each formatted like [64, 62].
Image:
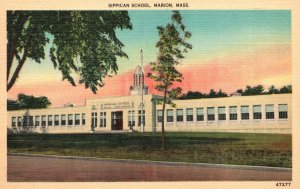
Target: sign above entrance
[114, 105]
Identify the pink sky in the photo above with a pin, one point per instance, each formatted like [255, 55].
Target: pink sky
[271, 65]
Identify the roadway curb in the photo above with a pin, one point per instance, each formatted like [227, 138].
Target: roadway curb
[228, 166]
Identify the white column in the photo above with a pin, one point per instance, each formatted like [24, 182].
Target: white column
[205, 116]
[251, 120]
[263, 112]
[227, 115]
[276, 112]
[239, 116]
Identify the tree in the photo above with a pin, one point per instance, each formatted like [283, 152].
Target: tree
[171, 45]
[13, 105]
[192, 95]
[239, 91]
[221, 94]
[197, 94]
[82, 42]
[28, 102]
[256, 90]
[273, 90]
[212, 94]
[286, 89]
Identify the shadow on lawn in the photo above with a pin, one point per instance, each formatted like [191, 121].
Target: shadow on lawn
[228, 148]
[132, 141]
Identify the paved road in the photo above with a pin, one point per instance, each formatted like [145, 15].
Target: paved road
[35, 168]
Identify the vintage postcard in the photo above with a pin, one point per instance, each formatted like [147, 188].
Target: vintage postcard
[150, 94]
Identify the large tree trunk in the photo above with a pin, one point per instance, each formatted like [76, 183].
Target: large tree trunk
[17, 71]
[14, 32]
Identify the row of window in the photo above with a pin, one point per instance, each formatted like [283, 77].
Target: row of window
[95, 119]
[233, 115]
[49, 120]
[131, 118]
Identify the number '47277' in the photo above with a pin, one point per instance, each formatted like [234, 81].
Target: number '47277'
[283, 184]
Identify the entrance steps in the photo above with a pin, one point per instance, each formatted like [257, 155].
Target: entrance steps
[113, 131]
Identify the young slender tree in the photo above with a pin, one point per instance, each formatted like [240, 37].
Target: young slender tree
[171, 45]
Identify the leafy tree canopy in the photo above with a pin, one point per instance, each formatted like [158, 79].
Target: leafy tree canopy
[171, 45]
[28, 102]
[83, 42]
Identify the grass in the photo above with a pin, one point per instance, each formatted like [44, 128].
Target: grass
[223, 148]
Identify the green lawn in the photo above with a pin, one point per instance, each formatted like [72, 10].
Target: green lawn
[225, 148]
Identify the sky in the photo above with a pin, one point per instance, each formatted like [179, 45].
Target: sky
[231, 49]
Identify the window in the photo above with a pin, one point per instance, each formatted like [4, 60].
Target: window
[221, 113]
[14, 121]
[70, 119]
[170, 116]
[63, 119]
[94, 119]
[210, 113]
[233, 113]
[140, 117]
[43, 120]
[200, 114]
[256, 112]
[37, 121]
[49, 120]
[102, 119]
[56, 120]
[131, 118]
[245, 112]
[83, 119]
[77, 119]
[283, 111]
[19, 121]
[31, 121]
[189, 114]
[159, 115]
[25, 120]
[270, 111]
[179, 115]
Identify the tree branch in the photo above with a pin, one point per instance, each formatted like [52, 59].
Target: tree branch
[12, 39]
[17, 71]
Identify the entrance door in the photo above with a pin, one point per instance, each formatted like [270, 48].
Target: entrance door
[117, 120]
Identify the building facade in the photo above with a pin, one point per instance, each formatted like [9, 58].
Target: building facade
[251, 114]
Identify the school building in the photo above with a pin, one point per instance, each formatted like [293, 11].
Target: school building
[251, 114]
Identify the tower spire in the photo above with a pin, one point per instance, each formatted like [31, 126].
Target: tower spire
[138, 86]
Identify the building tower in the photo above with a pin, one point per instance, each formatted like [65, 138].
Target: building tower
[138, 82]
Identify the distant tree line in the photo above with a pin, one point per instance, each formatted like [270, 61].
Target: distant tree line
[28, 102]
[197, 94]
[31, 102]
[249, 91]
[260, 90]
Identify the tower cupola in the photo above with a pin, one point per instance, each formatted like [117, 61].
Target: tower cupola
[138, 82]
